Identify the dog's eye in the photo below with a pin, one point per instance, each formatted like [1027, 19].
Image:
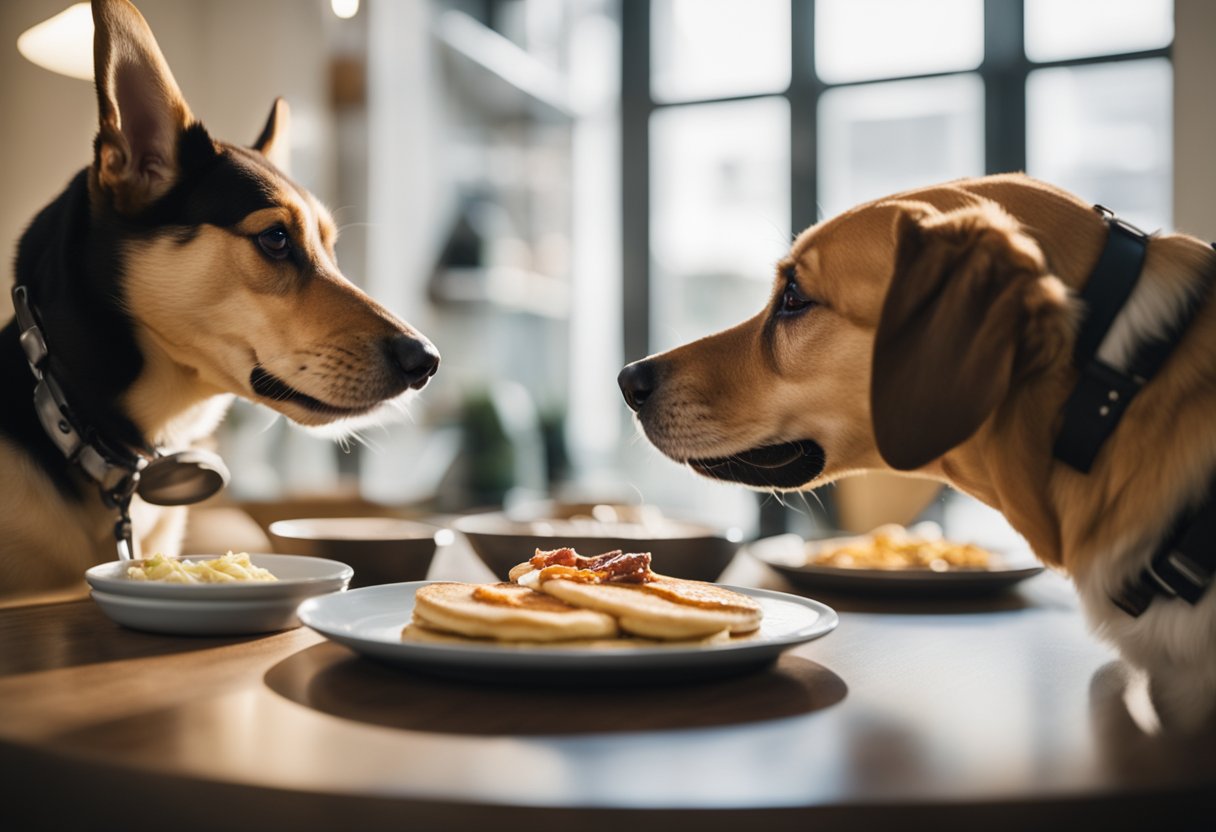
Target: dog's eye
[275, 242]
[793, 301]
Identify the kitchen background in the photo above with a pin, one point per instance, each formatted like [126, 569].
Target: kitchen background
[551, 188]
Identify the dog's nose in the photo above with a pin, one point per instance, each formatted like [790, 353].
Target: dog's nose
[638, 380]
[416, 358]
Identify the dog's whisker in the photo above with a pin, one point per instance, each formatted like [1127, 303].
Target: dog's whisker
[780, 498]
[371, 444]
[272, 422]
[638, 491]
[818, 500]
[779, 233]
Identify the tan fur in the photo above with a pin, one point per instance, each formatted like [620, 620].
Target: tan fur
[1024, 247]
[228, 308]
[46, 545]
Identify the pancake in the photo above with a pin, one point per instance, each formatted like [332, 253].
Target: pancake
[662, 608]
[506, 612]
[421, 634]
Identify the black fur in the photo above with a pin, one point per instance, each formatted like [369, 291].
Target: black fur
[71, 260]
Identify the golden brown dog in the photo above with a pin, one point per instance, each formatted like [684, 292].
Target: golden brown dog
[173, 273]
[932, 332]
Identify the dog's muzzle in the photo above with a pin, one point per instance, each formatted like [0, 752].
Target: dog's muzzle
[788, 465]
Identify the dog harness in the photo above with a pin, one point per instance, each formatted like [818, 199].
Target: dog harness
[1184, 564]
[176, 479]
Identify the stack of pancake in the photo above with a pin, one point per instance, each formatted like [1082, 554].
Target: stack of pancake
[564, 599]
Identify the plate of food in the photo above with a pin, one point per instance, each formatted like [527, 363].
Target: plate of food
[571, 620]
[231, 594]
[893, 559]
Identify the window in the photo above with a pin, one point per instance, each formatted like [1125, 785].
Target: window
[718, 48]
[719, 192]
[745, 121]
[1058, 30]
[1103, 130]
[863, 40]
[876, 139]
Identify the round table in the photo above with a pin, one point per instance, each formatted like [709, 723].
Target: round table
[997, 712]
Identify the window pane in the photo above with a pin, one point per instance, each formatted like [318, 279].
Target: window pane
[860, 39]
[718, 48]
[1061, 29]
[720, 215]
[878, 139]
[1104, 132]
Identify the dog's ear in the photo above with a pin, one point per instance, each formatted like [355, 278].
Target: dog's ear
[142, 112]
[963, 313]
[275, 140]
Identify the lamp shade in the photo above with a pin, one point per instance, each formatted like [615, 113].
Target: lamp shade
[63, 43]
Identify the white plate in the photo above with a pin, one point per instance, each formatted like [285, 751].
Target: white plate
[216, 609]
[299, 577]
[787, 554]
[199, 618]
[370, 620]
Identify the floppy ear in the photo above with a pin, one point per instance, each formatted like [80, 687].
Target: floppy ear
[967, 287]
[275, 140]
[141, 109]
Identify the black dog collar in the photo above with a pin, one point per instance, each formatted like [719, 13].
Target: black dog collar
[1102, 394]
[1184, 564]
[167, 480]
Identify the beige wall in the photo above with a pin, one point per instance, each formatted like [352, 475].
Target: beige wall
[230, 57]
[1195, 117]
[46, 129]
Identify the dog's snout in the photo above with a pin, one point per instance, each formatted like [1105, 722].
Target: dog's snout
[638, 381]
[416, 358]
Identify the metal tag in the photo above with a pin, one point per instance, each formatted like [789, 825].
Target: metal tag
[182, 478]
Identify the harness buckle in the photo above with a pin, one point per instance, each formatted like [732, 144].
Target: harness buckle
[1093, 412]
[1180, 576]
[1162, 581]
[1171, 574]
[1114, 219]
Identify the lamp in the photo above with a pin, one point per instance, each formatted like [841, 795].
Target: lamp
[63, 43]
[345, 9]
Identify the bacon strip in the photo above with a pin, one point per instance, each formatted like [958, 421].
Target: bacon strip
[611, 567]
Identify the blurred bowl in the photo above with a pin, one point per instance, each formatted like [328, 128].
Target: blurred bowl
[381, 550]
[678, 548]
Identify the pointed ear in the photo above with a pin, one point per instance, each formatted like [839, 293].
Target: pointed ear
[275, 140]
[142, 112]
[963, 315]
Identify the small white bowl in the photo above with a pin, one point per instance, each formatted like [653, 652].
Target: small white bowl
[216, 609]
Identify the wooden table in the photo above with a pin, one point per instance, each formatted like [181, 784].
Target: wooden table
[998, 713]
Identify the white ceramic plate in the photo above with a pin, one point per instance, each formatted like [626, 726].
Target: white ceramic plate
[370, 620]
[299, 577]
[787, 554]
[217, 609]
[199, 618]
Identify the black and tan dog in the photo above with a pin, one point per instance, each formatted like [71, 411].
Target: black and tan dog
[175, 271]
[935, 332]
